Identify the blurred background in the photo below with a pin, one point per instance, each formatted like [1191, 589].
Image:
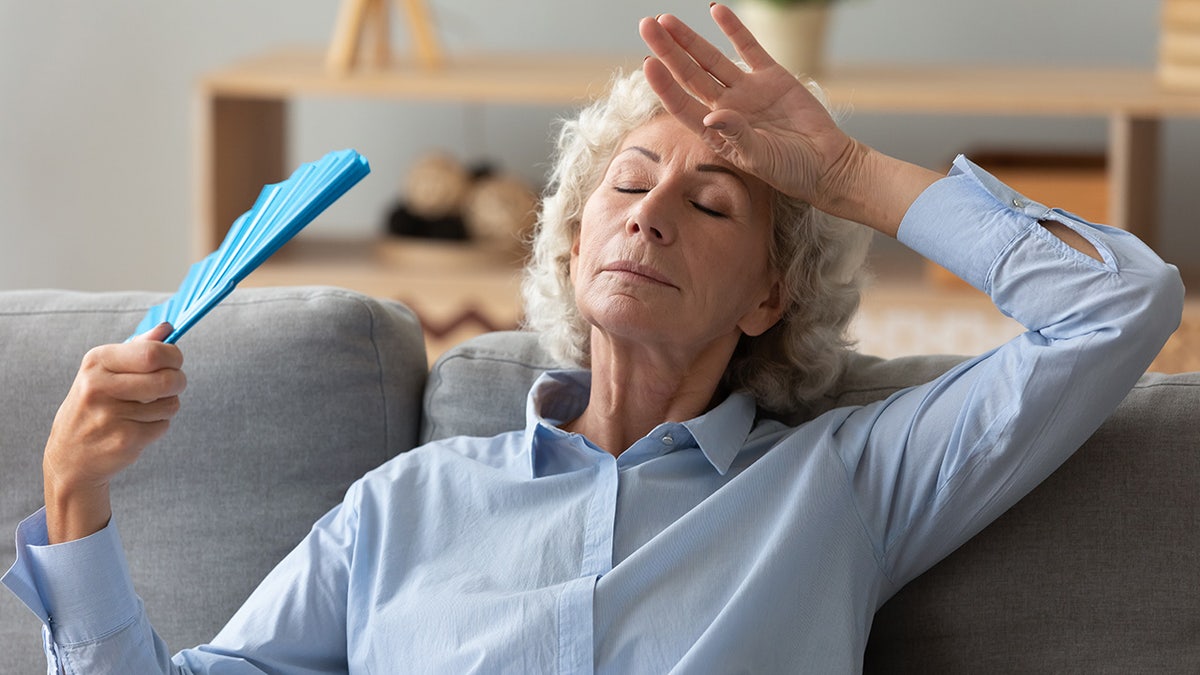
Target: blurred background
[99, 111]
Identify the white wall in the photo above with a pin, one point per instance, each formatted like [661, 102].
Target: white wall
[97, 109]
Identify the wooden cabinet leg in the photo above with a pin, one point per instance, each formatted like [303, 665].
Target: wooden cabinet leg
[244, 148]
[1133, 169]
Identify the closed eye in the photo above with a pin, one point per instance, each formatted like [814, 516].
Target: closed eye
[707, 211]
[697, 205]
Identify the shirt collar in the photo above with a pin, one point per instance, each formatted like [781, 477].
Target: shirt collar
[721, 432]
[559, 396]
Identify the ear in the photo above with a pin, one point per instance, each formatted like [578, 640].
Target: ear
[765, 314]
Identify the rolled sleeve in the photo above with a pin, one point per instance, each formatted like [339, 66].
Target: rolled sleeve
[967, 221]
[76, 607]
[991, 236]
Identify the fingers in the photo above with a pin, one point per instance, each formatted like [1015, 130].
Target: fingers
[145, 387]
[158, 333]
[695, 63]
[678, 102]
[138, 372]
[691, 76]
[704, 53]
[160, 410]
[731, 127]
[741, 38]
[142, 355]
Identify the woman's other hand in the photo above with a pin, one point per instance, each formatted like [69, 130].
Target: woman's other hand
[123, 398]
[766, 122]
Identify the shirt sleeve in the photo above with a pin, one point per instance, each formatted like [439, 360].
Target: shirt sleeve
[94, 622]
[932, 465]
[81, 609]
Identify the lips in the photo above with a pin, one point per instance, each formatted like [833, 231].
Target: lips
[628, 267]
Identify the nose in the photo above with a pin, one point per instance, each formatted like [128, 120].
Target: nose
[654, 234]
[653, 219]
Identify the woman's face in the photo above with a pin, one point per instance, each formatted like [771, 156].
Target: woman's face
[674, 244]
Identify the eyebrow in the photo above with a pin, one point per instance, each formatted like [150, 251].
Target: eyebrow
[707, 168]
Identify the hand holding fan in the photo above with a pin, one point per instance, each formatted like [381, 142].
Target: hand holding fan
[281, 211]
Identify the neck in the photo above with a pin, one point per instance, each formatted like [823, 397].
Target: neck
[635, 388]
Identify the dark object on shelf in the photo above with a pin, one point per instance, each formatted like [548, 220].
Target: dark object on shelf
[404, 223]
[440, 198]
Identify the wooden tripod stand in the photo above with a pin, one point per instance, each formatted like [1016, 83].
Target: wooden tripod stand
[361, 21]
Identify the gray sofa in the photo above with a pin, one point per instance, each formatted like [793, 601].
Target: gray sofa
[293, 393]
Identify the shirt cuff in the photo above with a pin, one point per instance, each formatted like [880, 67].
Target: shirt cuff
[965, 221]
[81, 590]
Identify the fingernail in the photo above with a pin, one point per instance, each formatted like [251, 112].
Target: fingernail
[711, 5]
[657, 17]
[646, 58]
[717, 126]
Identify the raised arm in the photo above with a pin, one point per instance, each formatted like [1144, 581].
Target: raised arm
[765, 121]
[123, 399]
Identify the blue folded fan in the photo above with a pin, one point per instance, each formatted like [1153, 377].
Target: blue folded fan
[281, 211]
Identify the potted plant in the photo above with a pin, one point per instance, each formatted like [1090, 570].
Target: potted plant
[792, 31]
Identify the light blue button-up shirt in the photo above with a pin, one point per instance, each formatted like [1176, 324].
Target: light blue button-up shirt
[727, 543]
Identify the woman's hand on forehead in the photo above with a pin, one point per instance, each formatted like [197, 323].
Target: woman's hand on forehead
[766, 122]
[763, 120]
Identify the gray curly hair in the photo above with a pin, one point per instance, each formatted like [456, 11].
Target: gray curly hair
[819, 260]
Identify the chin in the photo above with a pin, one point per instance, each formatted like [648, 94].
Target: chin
[639, 324]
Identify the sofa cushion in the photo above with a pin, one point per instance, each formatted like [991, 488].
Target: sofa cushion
[293, 393]
[478, 388]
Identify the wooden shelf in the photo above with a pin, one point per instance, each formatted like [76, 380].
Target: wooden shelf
[1074, 92]
[508, 78]
[561, 78]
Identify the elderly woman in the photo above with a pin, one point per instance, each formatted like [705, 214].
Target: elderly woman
[653, 515]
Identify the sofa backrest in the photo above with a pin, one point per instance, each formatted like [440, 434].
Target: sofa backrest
[1097, 570]
[292, 394]
[471, 387]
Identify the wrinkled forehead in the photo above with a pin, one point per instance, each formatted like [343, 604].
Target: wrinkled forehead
[664, 139]
[669, 139]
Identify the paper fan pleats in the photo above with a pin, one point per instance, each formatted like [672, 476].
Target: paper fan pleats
[282, 210]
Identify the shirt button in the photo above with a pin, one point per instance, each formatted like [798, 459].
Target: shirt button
[1017, 203]
[667, 440]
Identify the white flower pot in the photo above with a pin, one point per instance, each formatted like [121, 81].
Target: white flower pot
[793, 35]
